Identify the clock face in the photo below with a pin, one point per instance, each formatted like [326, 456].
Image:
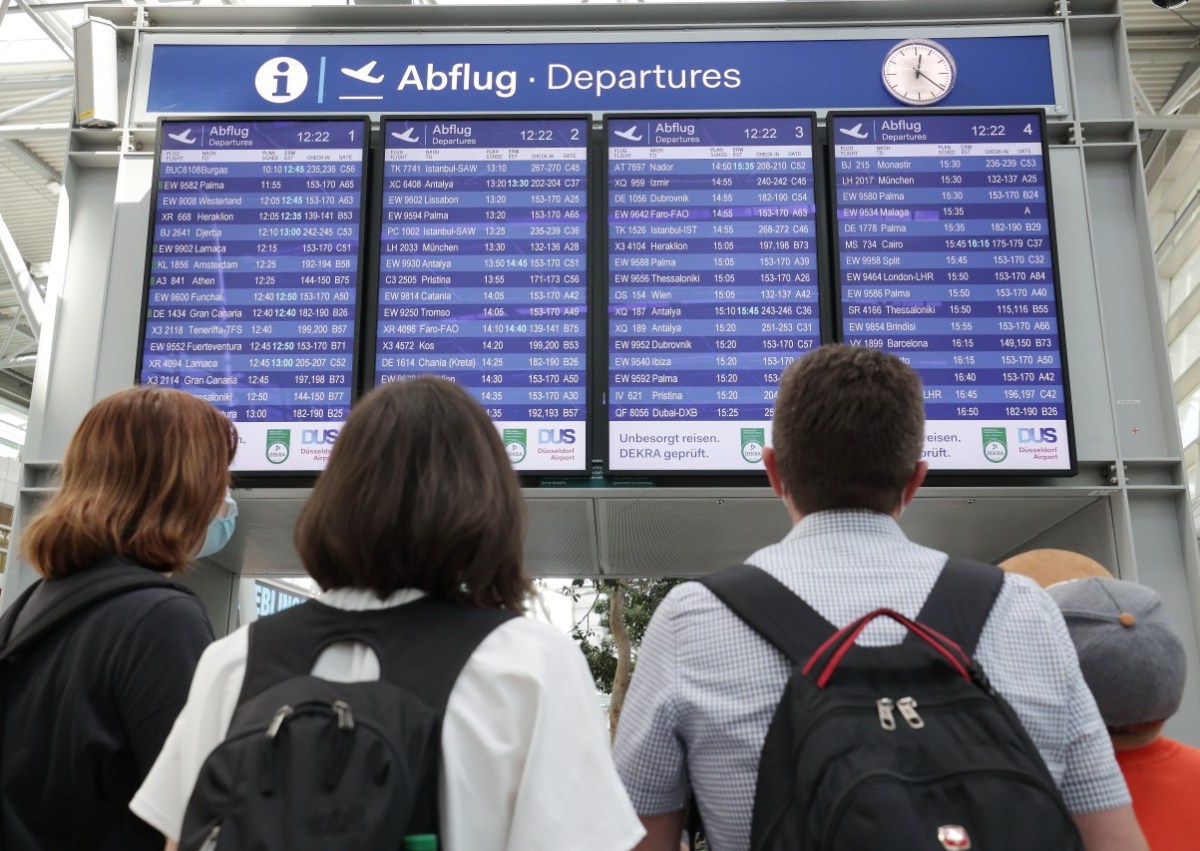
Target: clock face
[919, 72]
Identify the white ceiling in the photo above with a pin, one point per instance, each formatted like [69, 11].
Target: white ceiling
[1165, 54]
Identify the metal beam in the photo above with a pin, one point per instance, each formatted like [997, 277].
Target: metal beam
[1163, 55]
[1183, 93]
[3, 9]
[15, 389]
[31, 159]
[12, 328]
[1139, 95]
[74, 5]
[32, 303]
[36, 102]
[1166, 122]
[20, 131]
[45, 25]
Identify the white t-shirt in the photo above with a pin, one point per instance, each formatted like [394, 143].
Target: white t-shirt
[526, 763]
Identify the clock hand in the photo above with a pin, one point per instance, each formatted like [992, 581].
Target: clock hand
[920, 56]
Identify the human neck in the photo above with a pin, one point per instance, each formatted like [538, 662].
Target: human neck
[1133, 741]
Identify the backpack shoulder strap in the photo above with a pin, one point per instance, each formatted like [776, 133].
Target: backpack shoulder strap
[961, 600]
[422, 645]
[44, 607]
[771, 609]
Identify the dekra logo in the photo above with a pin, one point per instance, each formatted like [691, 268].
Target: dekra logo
[556, 435]
[1037, 435]
[310, 436]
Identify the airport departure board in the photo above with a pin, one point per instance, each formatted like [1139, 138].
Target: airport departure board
[945, 258]
[483, 271]
[253, 279]
[712, 284]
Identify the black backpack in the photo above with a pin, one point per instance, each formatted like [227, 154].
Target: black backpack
[312, 764]
[905, 747]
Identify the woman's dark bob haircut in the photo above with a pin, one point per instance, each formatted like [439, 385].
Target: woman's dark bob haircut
[418, 493]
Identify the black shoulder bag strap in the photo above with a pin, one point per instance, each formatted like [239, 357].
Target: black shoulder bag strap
[778, 615]
[107, 579]
[961, 600]
[771, 609]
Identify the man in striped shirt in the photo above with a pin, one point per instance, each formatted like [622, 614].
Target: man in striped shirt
[848, 436]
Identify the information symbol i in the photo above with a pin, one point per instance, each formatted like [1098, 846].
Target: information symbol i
[281, 80]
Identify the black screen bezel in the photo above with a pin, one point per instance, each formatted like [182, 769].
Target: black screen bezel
[755, 477]
[266, 476]
[965, 476]
[371, 331]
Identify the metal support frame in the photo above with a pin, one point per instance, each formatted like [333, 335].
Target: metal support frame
[21, 131]
[32, 160]
[1140, 95]
[1163, 55]
[30, 298]
[12, 329]
[1183, 93]
[36, 102]
[3, 9]
[1163, 121]
[50, 26]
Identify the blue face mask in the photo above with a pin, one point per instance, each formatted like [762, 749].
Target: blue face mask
[220, 528]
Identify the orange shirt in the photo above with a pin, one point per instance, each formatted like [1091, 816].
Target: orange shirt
[1163, 779]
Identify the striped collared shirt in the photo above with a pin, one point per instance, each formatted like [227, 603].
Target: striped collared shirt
[706, 685]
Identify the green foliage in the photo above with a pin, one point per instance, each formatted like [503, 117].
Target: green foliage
[642, 597]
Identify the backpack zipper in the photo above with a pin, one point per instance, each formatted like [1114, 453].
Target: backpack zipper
[886, 719]
[210, 841]
[908, 709]
[281, 715]
[843, 800]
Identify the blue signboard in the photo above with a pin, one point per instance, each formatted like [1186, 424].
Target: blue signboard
[609, 76]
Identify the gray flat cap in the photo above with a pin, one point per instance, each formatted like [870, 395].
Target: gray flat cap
[1130, 654]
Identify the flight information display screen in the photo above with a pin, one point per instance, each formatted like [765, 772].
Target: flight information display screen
[483, 273]
[945, 258]
[712, 284]
[253, 279]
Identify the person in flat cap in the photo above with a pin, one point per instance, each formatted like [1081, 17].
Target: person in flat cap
[1133, 661]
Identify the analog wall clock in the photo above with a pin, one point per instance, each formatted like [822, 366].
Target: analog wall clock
[919, 72]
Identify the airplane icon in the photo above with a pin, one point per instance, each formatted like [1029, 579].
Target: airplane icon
[408, 135]
[631, 134]
[855, 131]
[185, 137]
[364, 73]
